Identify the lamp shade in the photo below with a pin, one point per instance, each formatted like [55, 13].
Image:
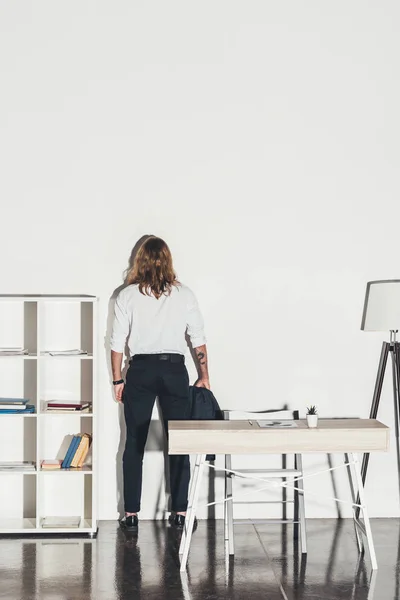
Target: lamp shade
[382, 306]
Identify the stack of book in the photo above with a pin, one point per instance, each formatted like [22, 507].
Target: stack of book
[61, 522]
[12, 406]
[67, 406]
[77, 451]
[12, 351]
[75, 352]
[50, 465]
[16, 465]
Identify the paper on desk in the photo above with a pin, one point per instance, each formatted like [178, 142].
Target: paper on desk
[277, 424]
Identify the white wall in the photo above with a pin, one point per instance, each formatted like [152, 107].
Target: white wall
[260, 139]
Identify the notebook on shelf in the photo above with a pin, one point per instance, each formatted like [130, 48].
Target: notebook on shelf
[50, 465]
[12, 351]
[13, 401]
[16, 465]
[71, 452]
[59, 405]
[74, 352]
[12, 410]
[61, 522]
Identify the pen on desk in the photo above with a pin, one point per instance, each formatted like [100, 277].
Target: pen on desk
[251, 422]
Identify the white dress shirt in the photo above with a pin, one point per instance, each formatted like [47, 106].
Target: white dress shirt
[156, 326]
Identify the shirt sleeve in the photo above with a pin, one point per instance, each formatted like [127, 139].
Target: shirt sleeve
[121, 326]
[195, 323]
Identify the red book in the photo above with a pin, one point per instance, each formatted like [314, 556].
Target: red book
[76, 405]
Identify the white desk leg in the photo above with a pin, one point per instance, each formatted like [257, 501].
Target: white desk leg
[354, 499]
[363, 503]
[302, 512]
[189, 521]
[228, 508]
[190, 500]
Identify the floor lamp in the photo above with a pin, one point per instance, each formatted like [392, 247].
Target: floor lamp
[382, 313]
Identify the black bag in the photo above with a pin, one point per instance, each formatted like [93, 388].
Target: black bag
[203, 407]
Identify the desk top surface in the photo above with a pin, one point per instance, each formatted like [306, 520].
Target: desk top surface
[227, 426]
[247, 437]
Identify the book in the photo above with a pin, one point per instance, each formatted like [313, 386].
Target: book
[75, 352]
[50, 465]
[15, 407]
[13, 351]
[61, 522]
[72, 406]
[16, 465]
[29, 408]
[74, 449]
[79, 457]
[68, 453]
[13, 401]
[86, 447]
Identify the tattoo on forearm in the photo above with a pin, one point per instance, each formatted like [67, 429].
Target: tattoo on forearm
[200, 357]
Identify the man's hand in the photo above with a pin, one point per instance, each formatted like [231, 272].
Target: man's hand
[118, 391]
[204, 383]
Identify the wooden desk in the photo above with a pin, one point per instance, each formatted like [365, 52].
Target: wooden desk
[349, 436]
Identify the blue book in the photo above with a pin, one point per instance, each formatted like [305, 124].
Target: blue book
[74, 449]
[9, 411]
[64, 463]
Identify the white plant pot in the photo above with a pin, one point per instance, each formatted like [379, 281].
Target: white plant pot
[312, 421]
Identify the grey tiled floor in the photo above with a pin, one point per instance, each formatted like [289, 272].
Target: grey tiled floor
[267, 564]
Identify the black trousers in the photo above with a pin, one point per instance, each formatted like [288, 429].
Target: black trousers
[147, 378]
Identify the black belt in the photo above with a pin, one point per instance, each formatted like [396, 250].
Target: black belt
[171, 357]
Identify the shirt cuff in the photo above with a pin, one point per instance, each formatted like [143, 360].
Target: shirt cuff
[117, 348]
[198, 341]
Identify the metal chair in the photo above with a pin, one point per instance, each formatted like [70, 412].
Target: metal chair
[283, 473]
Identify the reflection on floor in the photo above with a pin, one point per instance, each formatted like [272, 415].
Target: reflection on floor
[267, 564]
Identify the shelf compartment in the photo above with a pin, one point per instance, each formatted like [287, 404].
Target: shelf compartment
[65, 381]
[17, 438]
[19, 325]
[19, 503]
[19, 380]
[55, 440]
[55, 336]
[66, 496]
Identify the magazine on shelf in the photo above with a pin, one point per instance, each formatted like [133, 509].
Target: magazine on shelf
[74, 352]
[61, 522]
[13, 401]
[10, 351]
[17, 466]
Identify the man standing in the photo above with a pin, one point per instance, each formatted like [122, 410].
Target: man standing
[153, 313]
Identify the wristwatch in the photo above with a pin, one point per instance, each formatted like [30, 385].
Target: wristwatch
[118, 381]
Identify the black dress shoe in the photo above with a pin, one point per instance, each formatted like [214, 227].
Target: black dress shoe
[130, 523]
[178, 521]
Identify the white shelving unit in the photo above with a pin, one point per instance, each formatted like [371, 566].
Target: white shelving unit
[43, 323]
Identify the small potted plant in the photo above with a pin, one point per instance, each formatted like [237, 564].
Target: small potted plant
[312, 416]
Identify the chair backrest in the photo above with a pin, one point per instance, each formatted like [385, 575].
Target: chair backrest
[241, 415]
